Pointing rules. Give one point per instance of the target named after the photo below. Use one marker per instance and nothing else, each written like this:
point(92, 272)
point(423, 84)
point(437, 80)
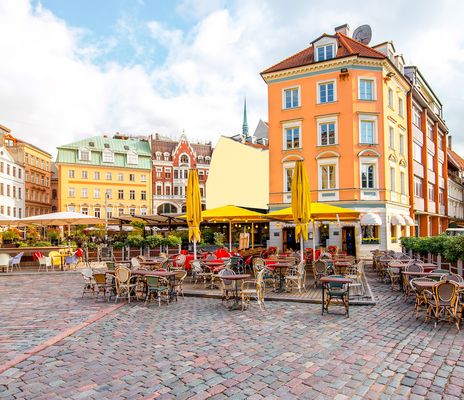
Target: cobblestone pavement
point(196, 348)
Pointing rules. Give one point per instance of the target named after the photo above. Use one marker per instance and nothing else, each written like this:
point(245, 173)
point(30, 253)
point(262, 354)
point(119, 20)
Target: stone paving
point(196, 348)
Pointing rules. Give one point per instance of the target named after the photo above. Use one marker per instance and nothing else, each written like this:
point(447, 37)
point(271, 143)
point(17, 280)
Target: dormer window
point(325, 52)
point(132, 158)
point(84, 154)
point(166, 156)
point(108, 156)
point(158, 155)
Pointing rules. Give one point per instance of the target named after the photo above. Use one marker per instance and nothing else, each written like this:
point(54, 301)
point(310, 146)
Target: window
point(326, 92)
point(132, 211)
point(96, 193)
point(71, 192)
point(367, 176)
point(288, 177)
point(390, 97)
point(167, 173)
point(431, 192)
point(158, 155)
point(166, 156)
point(120, 211)
point(109, 212)
point(367, 132)
point(402, 144)
point(72, 208)
point(167, 190)
point(184, 159)
point(19, 193)
point(416, 117)
point(429, 129)
point(121, 194)
point(108, 156)
point(132, 194)
point(417, 152)
point(143, 178)
point(20, 176)
point(430, 162)
point(328, 178)
point(120, 176)
point(108, 176)
point(159, 172)
point(441, 196)
point(325, 52)
point(132, 177)
point(96, 175)
point(366, 89)
point(176, 174)
point(84, 155)
point(14, 171)
point(327, 134)
point(84, 174)
point(143, 211)
point(402, 182)
point(85, 210)
point(392, 137)
point(441, 141)
point(132, 158)
point(291, 137)
point(291, 98)
point(109, 193)
point(143, 195)
point(96, 212)
point(84, 193)
point(71, 173)
point(392, 179)
point(418, 187)
point(370, 234)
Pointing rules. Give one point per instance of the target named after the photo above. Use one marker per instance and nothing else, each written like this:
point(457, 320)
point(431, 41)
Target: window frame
point(369, 161)
point(374, 120)
point(105, 154)
point(325, 46)
point(374, 87)
point(318, 91)
point(325, 121)
point(291, 125)
point(324, 162)
point(284, 97)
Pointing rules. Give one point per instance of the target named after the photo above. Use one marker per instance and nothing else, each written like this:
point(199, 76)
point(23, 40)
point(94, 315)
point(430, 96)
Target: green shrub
point(135, 240)
point(219, 239)
point(153, 240)
point(118, 245)
point(174, 241)
point(454, 248)
point(42, 243)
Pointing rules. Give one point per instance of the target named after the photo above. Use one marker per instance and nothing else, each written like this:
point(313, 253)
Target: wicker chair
point(296, 276)
point(254, 288)
point(135, 263)
point(200, 271)
point(319, 271)
point(102, 286)
point(452, 277)
point(157, 286)
point(125, 285)
point(394, 274)
point(180, 277)
point(354, 272)
point(421, 297)
point(269, 274)
point(89, 283)
point(443, 302)
point(414, 267)
point(227, 286)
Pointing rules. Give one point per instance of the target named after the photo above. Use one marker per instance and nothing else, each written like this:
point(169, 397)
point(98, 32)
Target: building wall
point(455, 200)
point(88, 195)
point(11, 186)
point(239, 175)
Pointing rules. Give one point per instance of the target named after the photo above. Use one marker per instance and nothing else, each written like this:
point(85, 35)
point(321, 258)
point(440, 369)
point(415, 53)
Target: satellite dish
point(363, 34)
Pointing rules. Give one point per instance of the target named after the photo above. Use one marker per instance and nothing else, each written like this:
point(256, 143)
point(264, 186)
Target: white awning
point(409, 221)
point(397, 219)
point(371, 219)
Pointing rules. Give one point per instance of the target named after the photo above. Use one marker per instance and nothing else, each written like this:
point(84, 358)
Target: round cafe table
point(236, 278)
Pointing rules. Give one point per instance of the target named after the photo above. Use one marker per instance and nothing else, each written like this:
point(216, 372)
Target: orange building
point(341, 106)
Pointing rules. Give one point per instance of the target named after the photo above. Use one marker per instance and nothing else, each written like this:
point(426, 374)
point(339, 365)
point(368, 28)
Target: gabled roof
point(100, 143)
point(346, 47)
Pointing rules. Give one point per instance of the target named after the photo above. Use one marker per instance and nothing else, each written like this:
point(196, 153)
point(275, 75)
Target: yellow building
point(101, 172)
point(239, 173)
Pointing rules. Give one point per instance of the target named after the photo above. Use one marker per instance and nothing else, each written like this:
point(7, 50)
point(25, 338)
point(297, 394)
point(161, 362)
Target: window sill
point(367, 100)
point(293, 149)
point(324, 146)
point(291, 108)
point(368, 144)
point(319, 103)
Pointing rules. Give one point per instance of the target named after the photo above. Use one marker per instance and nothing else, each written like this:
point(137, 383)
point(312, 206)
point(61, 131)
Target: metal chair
point(158, 286)
point(337, 293)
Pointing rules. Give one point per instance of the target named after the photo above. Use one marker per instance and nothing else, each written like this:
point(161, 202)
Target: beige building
point(239, 173)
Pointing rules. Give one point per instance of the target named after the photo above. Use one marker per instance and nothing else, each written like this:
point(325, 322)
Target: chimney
point(345, 29)
point(450, 142)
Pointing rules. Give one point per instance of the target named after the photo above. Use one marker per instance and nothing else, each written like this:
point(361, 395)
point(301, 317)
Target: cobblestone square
point(196, 348)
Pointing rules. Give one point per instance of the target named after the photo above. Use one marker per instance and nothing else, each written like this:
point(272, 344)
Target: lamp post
point(106, 216)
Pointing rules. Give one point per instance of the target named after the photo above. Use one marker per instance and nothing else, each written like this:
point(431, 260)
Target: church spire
point(245, 122)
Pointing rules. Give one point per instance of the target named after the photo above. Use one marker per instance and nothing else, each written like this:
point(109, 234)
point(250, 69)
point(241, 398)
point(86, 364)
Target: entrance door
point(349, 240)
point(288, 239)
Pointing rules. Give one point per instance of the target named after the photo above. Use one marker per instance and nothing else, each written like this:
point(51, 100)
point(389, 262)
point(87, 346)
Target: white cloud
point(52, 92)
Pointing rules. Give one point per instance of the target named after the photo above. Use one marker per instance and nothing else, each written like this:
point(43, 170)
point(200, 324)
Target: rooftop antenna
point(363, 34)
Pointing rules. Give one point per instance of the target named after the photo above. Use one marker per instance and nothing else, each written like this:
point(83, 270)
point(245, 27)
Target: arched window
point(207, 159)
point(167, 208)
point(184, 159)
point(184, 208)
point(158, 155)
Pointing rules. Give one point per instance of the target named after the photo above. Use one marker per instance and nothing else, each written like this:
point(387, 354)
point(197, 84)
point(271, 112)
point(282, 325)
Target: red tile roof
point(456, 158)
point(346, 47)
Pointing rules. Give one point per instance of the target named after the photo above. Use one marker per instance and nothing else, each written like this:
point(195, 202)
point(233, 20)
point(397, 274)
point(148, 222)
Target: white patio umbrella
point(62, 218)
point(7, 220)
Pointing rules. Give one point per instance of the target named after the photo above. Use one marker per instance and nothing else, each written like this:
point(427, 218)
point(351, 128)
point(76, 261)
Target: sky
point(78, 68)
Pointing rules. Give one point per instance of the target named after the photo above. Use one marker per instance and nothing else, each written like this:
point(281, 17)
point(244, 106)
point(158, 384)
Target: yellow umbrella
point(301, 203)
point(193, 209)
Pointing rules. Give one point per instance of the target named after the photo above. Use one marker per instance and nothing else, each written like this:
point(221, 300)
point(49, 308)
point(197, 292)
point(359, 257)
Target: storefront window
point(393, 231)
point(370, 234)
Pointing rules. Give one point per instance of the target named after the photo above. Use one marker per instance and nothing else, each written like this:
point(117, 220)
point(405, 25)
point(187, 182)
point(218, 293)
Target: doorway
point(288, 239)
point(349, 240)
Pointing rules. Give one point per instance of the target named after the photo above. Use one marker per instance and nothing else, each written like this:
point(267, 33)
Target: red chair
point(222, 253)
point(79, 253)
point(37, 255)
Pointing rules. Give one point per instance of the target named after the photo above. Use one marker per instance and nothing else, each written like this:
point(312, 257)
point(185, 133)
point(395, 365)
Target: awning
point(371, 219)
point(397, 219)
point(409, 221)
point(319, 211)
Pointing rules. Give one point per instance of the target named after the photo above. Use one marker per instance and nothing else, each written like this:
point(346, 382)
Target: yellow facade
point(238, 175)
point(82, 188)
